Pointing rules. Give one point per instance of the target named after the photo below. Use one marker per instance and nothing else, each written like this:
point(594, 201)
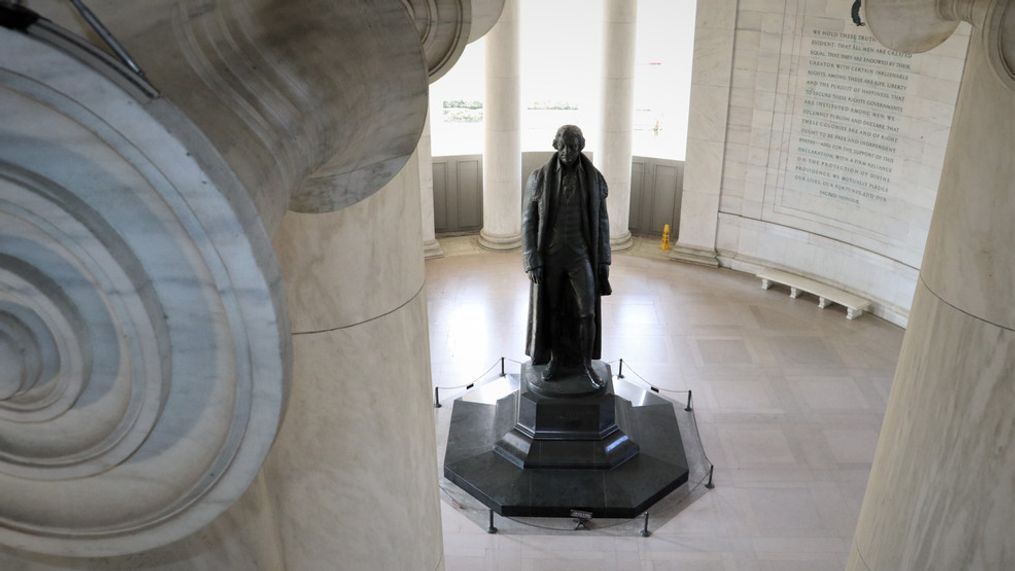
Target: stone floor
point(789, 400)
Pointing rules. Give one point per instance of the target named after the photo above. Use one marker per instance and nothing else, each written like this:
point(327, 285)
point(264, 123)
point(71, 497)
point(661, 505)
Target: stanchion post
point(491, 529)
point(711, 471)
point(436, 397)
point(689, 408)
point(502, 373)
point(620, 373)
point(644, 531)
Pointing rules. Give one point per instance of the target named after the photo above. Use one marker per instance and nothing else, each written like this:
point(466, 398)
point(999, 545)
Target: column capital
point(915, 27)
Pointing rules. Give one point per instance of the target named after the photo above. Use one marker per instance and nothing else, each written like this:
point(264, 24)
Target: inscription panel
point(857, 134)
point(834, 148)
point(846, 144)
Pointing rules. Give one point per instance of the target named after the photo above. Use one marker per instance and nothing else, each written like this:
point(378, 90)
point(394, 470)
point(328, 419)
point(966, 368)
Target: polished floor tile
point(788, 400)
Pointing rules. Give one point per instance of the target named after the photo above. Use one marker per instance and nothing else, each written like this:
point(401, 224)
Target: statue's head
point(569, 142)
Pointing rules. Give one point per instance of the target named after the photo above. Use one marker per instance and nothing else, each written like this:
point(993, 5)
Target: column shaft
point(617, 114)
point(431, 247)
point(502, 151)
point(941, 493)
point(714, 31)
point(353, 469)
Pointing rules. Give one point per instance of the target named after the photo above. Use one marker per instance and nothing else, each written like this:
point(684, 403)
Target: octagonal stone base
point(624, 454)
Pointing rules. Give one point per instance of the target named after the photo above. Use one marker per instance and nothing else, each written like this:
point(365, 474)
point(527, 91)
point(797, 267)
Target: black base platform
point(613, 453)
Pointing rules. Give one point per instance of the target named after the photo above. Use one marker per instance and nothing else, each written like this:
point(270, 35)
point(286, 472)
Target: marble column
point(145, 337)
point(714, 28)
point(431, 247)
point(141, 302)
point(445, 27)
point(354, 468)
point(485, 14)
point(613, 150)
point(502, 150)
point(941, 493)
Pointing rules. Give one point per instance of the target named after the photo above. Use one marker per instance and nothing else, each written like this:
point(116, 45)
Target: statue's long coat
point(538, 215)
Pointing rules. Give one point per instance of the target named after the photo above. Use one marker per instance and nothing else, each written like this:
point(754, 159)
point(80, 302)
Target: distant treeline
point(462, 104)
point(552, 105)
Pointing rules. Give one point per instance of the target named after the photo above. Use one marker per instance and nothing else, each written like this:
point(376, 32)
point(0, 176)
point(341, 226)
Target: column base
point(432, 250)
point(622, 242)
point(497, 242)
point(694, 255)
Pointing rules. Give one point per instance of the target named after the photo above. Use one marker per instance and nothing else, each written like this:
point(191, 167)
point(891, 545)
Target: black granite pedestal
point(548, 448)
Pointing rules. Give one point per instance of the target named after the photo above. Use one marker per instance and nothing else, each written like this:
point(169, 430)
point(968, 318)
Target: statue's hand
point(536, 275)
point(604, 280)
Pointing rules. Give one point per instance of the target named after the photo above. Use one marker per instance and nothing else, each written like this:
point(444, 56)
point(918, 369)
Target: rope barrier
point(649, 384)
point(694, 418)
point(708, 474)
point(473, 382)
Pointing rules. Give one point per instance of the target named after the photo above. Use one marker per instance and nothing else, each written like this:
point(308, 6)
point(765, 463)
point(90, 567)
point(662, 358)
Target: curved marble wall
point(140, 300)
point(814, 149)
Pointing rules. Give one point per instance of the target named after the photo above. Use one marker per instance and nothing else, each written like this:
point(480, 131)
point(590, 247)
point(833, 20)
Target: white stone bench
point(855, 306)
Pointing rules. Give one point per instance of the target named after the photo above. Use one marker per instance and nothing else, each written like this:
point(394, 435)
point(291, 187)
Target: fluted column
point(617, 114)
point(431, 247)
point(502, 150)
point(941, 493)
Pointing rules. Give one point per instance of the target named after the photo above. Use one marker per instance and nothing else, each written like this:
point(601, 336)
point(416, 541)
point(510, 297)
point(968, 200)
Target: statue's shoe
point(550, 372)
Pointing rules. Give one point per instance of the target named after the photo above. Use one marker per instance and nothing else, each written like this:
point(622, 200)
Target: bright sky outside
point(561, 43)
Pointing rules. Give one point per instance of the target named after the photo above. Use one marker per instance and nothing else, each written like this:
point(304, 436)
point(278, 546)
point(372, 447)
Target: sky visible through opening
point(561, 66)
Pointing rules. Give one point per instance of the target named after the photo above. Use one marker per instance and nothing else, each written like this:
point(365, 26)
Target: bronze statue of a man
point(566, 252)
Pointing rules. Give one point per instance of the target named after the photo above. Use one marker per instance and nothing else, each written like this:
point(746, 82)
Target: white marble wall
point(763, 212)
point(748, 245)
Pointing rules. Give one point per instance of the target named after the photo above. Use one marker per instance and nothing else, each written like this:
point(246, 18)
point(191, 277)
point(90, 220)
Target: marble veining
point(142, 287)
